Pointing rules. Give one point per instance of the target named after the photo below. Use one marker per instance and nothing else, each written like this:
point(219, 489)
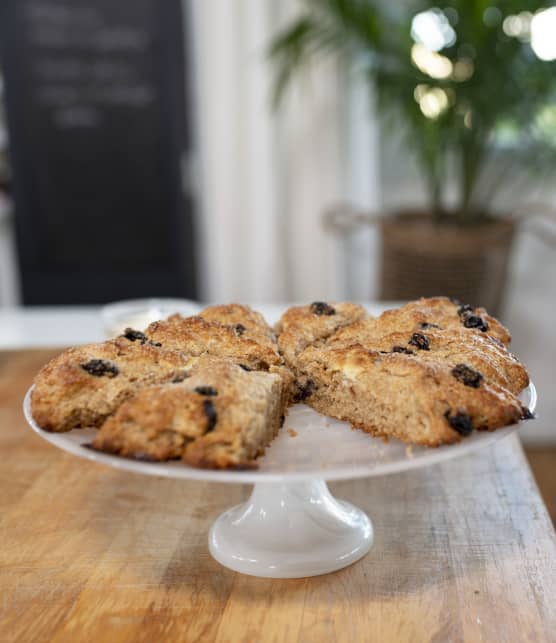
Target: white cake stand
point(292, 526)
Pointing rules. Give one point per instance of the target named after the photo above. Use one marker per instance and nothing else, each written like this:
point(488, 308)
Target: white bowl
point(139, 313)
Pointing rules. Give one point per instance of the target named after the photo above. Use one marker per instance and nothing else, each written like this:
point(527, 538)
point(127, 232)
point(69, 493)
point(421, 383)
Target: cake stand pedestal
point(290, 530)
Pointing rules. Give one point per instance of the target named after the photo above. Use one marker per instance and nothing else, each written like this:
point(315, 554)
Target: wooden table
point(464, 552)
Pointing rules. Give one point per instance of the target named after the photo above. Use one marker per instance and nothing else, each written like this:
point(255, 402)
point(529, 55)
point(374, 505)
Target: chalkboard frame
point(42, 285)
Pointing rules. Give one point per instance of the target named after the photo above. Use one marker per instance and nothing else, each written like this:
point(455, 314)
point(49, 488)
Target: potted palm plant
point(471, 85)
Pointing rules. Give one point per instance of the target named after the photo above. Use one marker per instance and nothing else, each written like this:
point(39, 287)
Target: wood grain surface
point(464, 551)
point(542, 460)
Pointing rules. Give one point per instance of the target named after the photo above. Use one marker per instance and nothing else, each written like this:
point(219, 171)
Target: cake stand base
point(290, 530)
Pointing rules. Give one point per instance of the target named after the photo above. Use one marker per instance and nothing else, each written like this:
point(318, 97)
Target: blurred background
point(265, 151)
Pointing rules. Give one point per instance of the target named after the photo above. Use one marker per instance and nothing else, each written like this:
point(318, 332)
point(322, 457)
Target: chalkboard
point(99, 126)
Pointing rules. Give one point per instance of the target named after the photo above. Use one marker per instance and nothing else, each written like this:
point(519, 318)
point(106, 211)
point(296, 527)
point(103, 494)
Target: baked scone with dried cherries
point(302, 326)
point(427, 373)
point(402, 396)
point(231, 331)
point(84, 385)
point(212, 389)
point(218, 416)
point(235, 332)
point(439, 312)
point(245, 321)
point(451, 346)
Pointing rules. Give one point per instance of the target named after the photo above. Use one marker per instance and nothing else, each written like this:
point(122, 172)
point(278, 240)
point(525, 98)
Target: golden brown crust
point(220, 417)
point(198, 336)
point(154, 424)
point(302, 326)
point(442, 312)
point(450, 346)
point(68, 396)
point(243, 319)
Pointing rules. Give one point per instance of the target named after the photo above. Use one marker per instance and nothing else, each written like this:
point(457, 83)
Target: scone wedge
point(84, 385)
point(219, 416)
point(428, 373)
point(233, 331)
point(398, 395)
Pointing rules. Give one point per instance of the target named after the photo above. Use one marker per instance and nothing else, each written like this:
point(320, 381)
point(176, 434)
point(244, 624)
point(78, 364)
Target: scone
point(245, 321)
point(303, 326)
point(441, 312)
point(84, 385)
point(220, 416)
point(428, 356)
point(403, 396)
point(199, 336)
point(452, 346)
point(231, 331)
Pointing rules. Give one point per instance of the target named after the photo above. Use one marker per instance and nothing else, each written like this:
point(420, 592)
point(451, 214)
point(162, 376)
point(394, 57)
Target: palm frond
point(507, 82)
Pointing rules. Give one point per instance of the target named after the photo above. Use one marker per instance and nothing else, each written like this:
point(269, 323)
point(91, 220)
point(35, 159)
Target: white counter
point(46, 327)
point(54, 326)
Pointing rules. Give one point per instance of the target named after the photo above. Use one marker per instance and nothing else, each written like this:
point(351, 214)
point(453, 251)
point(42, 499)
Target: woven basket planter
point(422, 258)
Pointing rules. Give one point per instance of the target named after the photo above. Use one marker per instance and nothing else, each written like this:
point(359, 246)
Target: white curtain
point(266, 178)
point(9, 291)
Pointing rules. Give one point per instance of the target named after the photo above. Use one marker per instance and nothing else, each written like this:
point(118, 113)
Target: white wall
point(530, 315)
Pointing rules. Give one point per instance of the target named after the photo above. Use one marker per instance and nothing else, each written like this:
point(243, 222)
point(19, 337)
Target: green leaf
point(507, 84)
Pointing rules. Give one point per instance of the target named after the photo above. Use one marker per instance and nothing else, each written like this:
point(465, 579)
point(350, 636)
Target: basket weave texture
point(423, 259)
